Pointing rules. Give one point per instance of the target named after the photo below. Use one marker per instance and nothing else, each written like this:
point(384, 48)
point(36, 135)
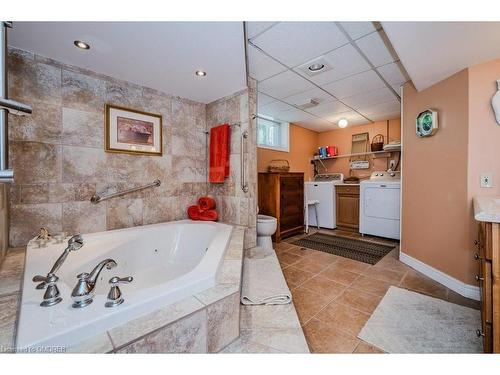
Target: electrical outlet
point(487, 180)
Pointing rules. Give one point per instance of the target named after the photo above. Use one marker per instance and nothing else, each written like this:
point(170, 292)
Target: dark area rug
point(363, 251)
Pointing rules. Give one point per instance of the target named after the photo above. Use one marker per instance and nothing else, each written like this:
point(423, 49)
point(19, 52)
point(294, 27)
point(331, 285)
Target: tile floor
point(335, 296)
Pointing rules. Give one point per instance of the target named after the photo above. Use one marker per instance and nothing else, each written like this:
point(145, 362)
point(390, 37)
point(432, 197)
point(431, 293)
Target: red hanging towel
point(220, 139)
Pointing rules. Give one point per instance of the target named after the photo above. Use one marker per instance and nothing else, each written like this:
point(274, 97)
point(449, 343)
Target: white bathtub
point(168, 261)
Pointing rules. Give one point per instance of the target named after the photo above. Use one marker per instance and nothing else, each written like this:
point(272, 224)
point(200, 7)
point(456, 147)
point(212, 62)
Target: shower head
point(75, 242)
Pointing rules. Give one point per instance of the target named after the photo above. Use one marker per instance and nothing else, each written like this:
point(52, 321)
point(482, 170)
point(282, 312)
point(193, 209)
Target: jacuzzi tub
point(168, 261)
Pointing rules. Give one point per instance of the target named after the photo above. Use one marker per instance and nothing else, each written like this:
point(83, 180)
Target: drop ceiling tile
point(358, 29)
point(263, 99)
point(370, 98)
point(294, 43)
point(355, 84)
point(328, 109)
point(393, 73)
point(284, 84)
point(255, 28)
point(306, 96)
point(284, 112)
point(352, 117)
point(392, 106)
point(377, 48)
point(398, 89)
point(294, 115)
point(272, 108)
point(261, 66)
point(385, 116)
point(317, 124)
point(345, 61)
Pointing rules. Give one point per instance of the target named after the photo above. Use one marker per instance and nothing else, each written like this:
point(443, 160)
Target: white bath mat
point(263, 282)
point(409, 322)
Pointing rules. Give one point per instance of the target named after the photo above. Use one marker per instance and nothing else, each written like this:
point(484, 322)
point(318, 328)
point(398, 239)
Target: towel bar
point(96, 198)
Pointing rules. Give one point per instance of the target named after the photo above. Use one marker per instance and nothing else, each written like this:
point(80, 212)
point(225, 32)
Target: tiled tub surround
point(59, 160)
point(205, 322)
point(236, 206)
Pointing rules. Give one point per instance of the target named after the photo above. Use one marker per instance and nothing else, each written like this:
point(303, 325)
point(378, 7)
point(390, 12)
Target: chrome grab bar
point(96, 198)
point(244, 184)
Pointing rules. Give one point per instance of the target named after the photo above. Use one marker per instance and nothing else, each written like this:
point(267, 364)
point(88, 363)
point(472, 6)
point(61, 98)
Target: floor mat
point(409, 322)
point(363, 251)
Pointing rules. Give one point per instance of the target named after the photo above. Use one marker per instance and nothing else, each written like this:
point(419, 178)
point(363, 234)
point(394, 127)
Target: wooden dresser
point(488, 257)
point(347, 207)
point(282, 195)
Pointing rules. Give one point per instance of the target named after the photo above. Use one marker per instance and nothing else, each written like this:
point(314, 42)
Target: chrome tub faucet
point(83, 292)
point(52, 296)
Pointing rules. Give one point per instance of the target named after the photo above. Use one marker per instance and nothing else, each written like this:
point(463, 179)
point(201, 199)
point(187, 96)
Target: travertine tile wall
point(236, 206)
point(59, 159)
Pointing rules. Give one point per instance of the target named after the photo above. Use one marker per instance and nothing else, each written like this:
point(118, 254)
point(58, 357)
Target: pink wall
point(441, 173)
point(434, 185)
point(342, 138)
point(484, 137)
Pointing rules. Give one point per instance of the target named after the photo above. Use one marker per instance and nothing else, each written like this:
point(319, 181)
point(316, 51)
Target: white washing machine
point(323, 190)
point(379, 212)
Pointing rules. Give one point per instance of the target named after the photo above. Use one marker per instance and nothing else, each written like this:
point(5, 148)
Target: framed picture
point(132, 132)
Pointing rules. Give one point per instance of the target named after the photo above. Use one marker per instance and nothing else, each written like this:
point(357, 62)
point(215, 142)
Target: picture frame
point(131, 131)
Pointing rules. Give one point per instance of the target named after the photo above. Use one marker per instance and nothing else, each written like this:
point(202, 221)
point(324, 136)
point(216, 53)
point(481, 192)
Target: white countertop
point(487, 209)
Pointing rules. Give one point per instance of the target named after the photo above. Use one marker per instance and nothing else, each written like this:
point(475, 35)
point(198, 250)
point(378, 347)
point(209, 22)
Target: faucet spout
point(83, 292)
point(94, 274)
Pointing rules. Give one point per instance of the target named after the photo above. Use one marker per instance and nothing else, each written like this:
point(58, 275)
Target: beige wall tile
point(83, 217)
point(123, 213)
point(223, 322)
point(187, 335)
point(35, 162)
point(83, 128)
point(152, 322)
point(26, 220)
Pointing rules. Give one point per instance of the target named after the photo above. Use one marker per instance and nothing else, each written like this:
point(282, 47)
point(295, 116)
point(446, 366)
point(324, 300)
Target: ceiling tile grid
point(361, 82)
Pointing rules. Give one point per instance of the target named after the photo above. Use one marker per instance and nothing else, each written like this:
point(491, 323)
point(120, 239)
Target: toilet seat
point(263, 218)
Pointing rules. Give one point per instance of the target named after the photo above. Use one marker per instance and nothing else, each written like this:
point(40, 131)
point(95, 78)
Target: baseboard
point(466, 290)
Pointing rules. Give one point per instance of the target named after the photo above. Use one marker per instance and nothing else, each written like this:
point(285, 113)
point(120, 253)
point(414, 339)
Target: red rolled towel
point(206, 203)
point(209, 215)
point(194, 212)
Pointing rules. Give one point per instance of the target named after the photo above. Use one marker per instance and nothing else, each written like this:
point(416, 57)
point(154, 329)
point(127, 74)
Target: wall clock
point(427, 123)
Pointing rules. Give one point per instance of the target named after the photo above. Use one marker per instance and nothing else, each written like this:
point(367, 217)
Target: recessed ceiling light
point(81, 45)
point(316, 67)
point(200, 73)
point(343, 123)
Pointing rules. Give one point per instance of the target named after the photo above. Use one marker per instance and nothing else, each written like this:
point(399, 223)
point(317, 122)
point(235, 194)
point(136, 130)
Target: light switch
point(487, 180)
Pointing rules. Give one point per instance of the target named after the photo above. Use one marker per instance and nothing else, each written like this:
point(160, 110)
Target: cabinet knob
point(477, 242)
point(477, 257)
point(479, 333)
point(478, 278)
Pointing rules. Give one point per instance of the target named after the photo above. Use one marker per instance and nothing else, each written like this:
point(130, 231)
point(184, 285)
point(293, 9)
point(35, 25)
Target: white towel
point(263, 281)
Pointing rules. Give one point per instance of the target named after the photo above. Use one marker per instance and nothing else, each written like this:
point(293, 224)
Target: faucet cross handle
point(115, 295)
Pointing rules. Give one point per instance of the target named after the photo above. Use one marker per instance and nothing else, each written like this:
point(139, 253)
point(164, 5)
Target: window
point(272, 134)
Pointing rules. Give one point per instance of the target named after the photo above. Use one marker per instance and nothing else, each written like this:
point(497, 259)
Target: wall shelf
point(376, 154)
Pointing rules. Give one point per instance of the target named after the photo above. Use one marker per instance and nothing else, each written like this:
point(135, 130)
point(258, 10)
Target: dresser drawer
point(347, 189)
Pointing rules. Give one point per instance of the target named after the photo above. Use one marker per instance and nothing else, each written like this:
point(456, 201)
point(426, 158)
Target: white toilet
point(266, 226)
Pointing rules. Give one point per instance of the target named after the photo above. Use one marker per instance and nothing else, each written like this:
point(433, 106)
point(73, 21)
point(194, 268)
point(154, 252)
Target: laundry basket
point(279, 165)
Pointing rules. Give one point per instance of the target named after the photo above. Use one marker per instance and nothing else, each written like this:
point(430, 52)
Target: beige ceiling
point(360, 82)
